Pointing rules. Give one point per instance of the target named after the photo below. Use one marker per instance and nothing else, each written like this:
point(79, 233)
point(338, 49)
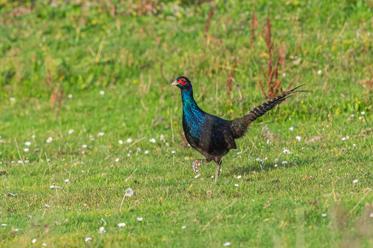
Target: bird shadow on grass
point(255, 166)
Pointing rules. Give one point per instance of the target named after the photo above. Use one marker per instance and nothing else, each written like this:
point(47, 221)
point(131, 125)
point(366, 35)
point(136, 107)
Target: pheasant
point(213, 136)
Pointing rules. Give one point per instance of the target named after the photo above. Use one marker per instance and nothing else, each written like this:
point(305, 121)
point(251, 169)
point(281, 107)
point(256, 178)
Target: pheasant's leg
point(196, 165)
point(218, 170)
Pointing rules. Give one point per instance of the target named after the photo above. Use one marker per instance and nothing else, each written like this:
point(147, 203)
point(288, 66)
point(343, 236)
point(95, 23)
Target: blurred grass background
point(103, 68)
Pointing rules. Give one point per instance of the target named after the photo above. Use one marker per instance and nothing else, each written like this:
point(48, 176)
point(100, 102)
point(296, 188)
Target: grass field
point(86, 112)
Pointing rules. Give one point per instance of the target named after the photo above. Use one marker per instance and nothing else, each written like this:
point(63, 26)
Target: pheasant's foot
point(217, 172)
point(196, 165)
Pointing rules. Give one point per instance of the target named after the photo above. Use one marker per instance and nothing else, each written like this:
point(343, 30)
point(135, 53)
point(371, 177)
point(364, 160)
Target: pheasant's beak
point(174, 83)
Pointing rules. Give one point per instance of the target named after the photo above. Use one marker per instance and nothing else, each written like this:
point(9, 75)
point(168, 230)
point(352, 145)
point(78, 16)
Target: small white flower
point(236, 185)
point(120, 142)
point(162, 138)
point(139, 219)
point(4, 225)
point(44, 244)
point(12, 99)
point(128, 154)
point(26, 149)
point(371, 215)
point(129, 140)
point(227, 244)
point(323, 215)
point(319, 72)
point(101, 230)
point(87, 239)
point(100, 134)
point(71, 131)
point(298, 138)
point(102, 92)
point(238, 177)
point(291, 128)
point(197, 176)
point(286, 151)
point(121, 225)
point(49, 140)
point(284, 162)
point(84, 146)
point(275, 165)
point(28, 143)
point(183, 227)
point(46, 205)
point(283, 74)
point(345, 138)
point(69, 96)
point(66, 181)
point(55, 187)
point(152, 140)
point(117, 160)
point(355, 181)
point(146, 152)
point(129, 192)
point(34, 241)
point(16, 229)
point(173, 152)
point(362, 112)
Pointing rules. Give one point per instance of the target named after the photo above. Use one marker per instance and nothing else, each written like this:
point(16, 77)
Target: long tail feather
point(240, 125)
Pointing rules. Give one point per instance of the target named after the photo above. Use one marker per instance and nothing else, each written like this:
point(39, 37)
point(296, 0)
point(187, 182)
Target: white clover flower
point(4, 225)
point(27, 143)
point(121, 225)
point(355, 181)
point(236, 185)
point(120, 142)
point(102, 230)
point(87, 239)
point(146, 152)
point(55, 187)
point(319, 72)
point(69, 96)
point(129, 192)
point(84, 146)
point(102, 92)
point(323, 215)
point(173, 152)
point(71, 131)
point(26, 149)
point(34, 241)
point(284, 162)
point(183, 227)
point(286, 151)
point(162, 138)
point(238, 177)
point(12, 99)
point(44, 244)
point(49, 140)
point(152, 140)
point(291, 128)
point(345, 138)
point(129, 140)
point(117, 160)
point(66, 181)
point(298, 138)
point(227, 244)
point(100, 134)
point(362, 112)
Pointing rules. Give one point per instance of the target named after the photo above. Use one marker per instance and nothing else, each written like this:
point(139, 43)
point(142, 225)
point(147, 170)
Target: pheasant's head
point(183, 83)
